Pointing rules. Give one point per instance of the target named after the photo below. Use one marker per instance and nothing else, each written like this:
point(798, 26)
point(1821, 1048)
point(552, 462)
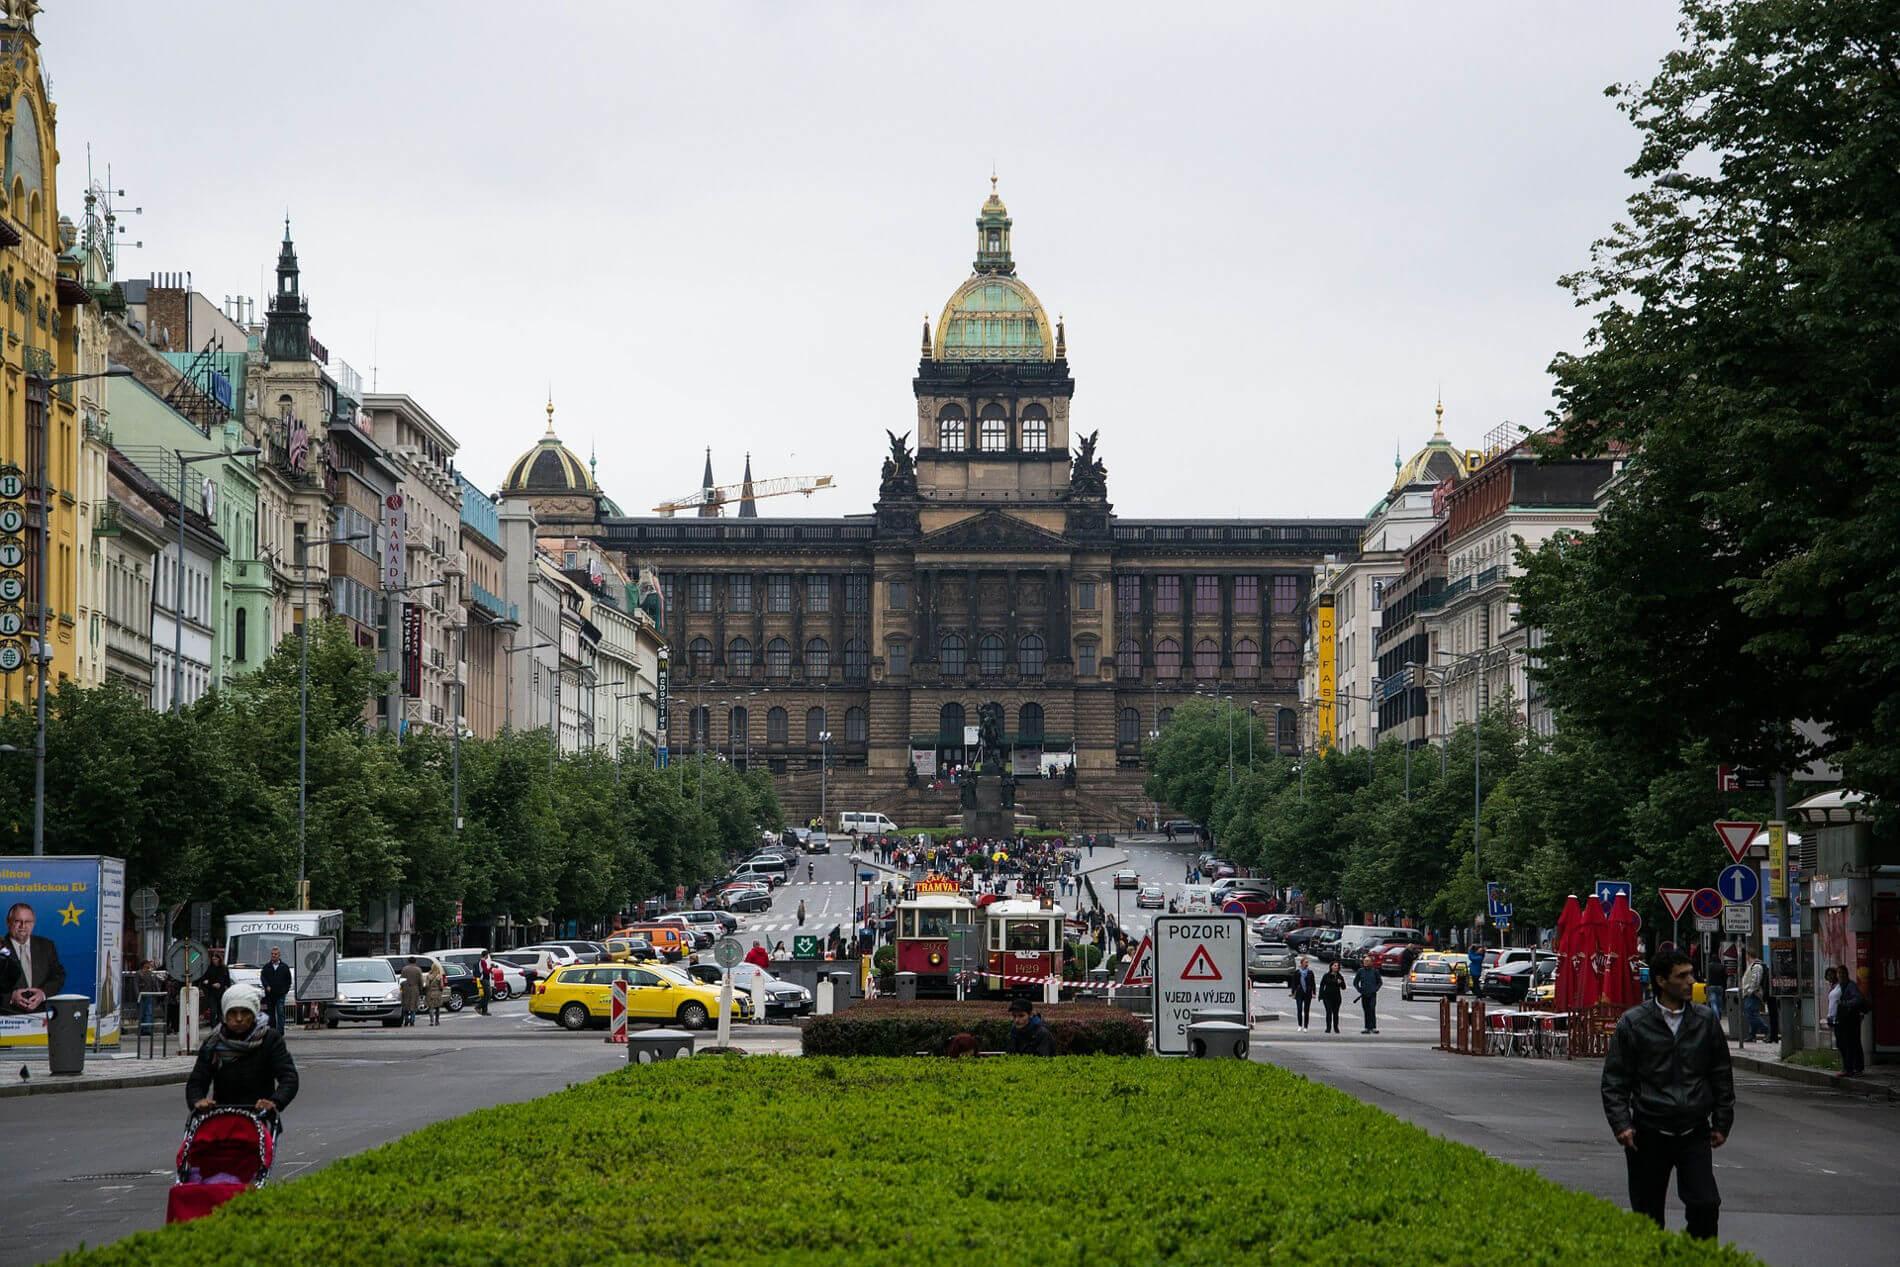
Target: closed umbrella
point(1569, 924)
point(1592, 943)
point(1622, 987)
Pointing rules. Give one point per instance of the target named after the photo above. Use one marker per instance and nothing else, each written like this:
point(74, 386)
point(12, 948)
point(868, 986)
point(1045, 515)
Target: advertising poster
point(69, 914)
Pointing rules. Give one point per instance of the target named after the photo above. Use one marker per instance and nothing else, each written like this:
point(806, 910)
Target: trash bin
point(841, 990)
point(1218, 1040)
point(906, 987)
point(66, 1033)
point(644, 1047)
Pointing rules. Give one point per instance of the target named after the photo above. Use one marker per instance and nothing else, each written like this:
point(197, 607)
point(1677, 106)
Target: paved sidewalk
point(104, 1071)
point(1879, 1081)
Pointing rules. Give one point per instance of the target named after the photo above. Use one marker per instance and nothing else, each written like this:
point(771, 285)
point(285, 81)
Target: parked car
point(1126, 879)
point(673, 941)
point(1250, 901)
point(580, 996)
point(1150, 897)
point(1435, 973)
point(631, 950)
point(1392, 958)
point(511, 978)
point(1509, 959)
point(1183, 827)
point(1323, 945)
point(366, 990)
point(563, 955)
point(1512, 983)
point(1302, 939)
point(1272, 961)
point(540, 963)
point(771, 861)
point(1356, 939)
point(745, 900)
point(782, 998)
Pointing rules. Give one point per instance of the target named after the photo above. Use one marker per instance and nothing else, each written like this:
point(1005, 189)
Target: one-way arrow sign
point(1677, 900)
point(1735, 837)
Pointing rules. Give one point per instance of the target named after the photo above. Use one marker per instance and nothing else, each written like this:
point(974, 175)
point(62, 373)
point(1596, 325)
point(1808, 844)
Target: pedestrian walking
point(215, 981)
point(1848, 1011)
point(411, 975)
point(275, 979)
point(243, 1061)
point(1367, 983)
point(1752, 976)
point(1717, 984)
point(801, 912)
point(434, 986)
point(1303, 987)
point(1669, 1096)
point(484, 983)
point(1476, 960)
point(1332, 993)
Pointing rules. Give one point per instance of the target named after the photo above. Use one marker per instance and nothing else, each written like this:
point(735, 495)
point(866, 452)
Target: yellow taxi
point(582, 995)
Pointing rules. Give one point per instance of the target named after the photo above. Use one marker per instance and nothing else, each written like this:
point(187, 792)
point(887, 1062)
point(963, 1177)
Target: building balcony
point(494, 605)
point(455, 562)
point(106, 521)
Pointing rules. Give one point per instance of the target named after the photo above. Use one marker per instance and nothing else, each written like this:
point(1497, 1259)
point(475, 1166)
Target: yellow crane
point(719, 496)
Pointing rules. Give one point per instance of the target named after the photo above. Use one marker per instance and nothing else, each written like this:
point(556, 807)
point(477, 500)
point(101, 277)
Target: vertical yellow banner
point(1324, 627)
point(1777, 860)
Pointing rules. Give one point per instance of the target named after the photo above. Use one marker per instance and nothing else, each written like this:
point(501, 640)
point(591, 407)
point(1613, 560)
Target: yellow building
point(40, 333)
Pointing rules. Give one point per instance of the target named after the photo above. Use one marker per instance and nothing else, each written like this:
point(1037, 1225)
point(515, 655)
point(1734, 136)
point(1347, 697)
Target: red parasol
point(1569, 923)
point(1593, 932)
point(1622, 988)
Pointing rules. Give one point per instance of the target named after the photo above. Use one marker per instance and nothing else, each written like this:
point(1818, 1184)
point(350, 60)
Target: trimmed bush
point(875, 1163)
point(885, 1027)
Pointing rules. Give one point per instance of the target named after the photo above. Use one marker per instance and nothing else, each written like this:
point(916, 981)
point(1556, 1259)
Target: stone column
point(1226, 626)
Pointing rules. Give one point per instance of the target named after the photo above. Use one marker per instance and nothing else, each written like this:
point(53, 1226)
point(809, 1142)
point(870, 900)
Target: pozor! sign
point(1200, 964)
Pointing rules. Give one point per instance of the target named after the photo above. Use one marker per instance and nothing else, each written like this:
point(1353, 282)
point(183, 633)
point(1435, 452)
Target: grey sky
point(1273, 230)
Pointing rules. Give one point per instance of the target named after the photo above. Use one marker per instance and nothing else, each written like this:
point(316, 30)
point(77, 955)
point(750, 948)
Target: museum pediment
point(992, 530)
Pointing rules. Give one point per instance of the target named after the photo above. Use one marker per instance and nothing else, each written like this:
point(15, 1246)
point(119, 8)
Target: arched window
point(1287, 734)
point(1128, 728)
point(950, 429)
point(1247, 658)
point(737, 723)
point(699, 651)
point(994, 434)
point(1167, 658)
point(1029, 653)
point(817, 658)
point(950, 655)
point(950, 725)
point(1029, 726)
point(814, 726)
point(778, 658)
point(855, 729)
point(1128, 659)
point(240, 632)
point(1035, 429)
point(1207, 658)
point(857, 661)
point(776, 726)
point(739, 657)
point(989, 654)
point(700, 717)
point(1164, 719)
point(1286, 660)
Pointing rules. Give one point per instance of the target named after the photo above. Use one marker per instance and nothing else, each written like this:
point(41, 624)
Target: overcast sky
point(1274, 230)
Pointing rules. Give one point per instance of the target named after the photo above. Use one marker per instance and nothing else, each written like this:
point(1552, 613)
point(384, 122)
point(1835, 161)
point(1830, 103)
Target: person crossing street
point(1367, 982)
point(1303, 988)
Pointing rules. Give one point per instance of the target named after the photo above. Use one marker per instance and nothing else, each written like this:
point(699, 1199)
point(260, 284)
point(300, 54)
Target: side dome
point(549, 467)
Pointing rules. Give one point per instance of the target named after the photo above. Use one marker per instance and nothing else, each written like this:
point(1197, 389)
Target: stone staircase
point(1098, 802)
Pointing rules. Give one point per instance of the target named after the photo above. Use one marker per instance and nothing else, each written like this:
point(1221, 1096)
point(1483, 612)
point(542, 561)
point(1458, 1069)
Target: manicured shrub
point(885, 1027)
point(873, 1163)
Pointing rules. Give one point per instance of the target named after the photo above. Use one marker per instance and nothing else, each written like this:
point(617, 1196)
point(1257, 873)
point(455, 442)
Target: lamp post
point(1477, 741)
point(824, 772)
point(178, 577)
point(42, 386)
point(303, 697)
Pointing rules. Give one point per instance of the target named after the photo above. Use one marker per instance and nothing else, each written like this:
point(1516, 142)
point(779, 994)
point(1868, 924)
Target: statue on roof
point(1088, 477)
point(900, 469)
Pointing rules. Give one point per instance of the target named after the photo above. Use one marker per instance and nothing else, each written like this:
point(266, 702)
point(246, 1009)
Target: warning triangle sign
point(1200, 967)
point(1141, 965)
point(1677, 900)
point(1735, 837)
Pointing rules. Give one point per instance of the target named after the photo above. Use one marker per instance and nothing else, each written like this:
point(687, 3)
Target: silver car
point(1272, 961)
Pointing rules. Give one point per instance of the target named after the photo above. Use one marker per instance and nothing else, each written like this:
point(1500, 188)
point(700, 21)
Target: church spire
point(992, 235)
point(748, 509)
point(287, 322)
point(708, 509)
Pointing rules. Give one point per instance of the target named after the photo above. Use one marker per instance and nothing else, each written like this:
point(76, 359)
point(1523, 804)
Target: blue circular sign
point(1739, 884)
point(1706, 903)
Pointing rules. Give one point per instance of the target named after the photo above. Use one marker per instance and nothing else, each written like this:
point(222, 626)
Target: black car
point(1513, 983)
point(748, 901)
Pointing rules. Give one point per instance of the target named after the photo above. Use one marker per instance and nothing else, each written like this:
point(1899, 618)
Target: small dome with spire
point(550, 467)
point(993, 316)
point(1434, 463)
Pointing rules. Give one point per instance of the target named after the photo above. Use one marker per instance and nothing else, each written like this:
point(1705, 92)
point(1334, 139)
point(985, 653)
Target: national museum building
point(992, 573)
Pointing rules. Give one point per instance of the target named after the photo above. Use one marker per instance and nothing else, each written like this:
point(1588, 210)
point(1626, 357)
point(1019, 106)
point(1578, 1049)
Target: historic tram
point(925, 916)
point(1022, 938)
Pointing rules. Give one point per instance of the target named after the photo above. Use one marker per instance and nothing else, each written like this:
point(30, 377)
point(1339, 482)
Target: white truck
point(250, 937)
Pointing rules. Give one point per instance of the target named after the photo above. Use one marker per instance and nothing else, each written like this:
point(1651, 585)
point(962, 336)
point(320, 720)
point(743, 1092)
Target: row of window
point(993, 430)
point(777, 726)
point(778, 592)
point(992, 658)
point(1167, 659)
point(952, 718)
point(700, 590)
point(1128, 728)
point(1167, 595)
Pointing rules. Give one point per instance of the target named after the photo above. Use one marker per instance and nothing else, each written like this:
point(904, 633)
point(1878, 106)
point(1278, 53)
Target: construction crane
point(721, 495)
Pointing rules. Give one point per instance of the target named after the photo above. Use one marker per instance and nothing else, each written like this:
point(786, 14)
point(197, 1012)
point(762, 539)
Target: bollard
point(906, 987)
point(66, 1034)
point(1229, 1015)
point(1052, 990)
point(1217, 1040)
point(189, 1031)
point(841, 991)
point(617, 1012)
point(821, 1005)
point(758, 998)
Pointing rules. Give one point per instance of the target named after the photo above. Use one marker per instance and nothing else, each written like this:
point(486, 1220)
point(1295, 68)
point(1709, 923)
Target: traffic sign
point(1498, 898)
point(1738, 919)
point(1739, 884)
point(805, 946)
point(1200, 964)
point(1676, 901)
point(313, 969)
point(1707, 904)
point(1141, 965)
point(1736, 836)
point(617, 1012)
point(1608, 889)
point(1778, 860)
point(145, 904)
point(185, 960)
point(1708, 924)
point(727, 952)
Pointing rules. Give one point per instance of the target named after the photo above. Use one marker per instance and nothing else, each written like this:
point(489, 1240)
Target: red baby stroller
point(226, 1150)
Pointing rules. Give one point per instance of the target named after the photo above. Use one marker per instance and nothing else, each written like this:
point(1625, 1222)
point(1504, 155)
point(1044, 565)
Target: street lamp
point(178, 577)
point(303, 697)
point(1477, 744)
point(824, 773)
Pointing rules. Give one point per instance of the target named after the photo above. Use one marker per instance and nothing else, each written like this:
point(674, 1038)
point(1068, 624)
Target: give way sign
point(1676, 900)
point(1200, 964)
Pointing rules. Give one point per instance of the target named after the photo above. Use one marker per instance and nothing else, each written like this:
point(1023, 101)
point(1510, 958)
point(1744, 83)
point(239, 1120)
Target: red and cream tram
point(1022, 938)
point(922, 934)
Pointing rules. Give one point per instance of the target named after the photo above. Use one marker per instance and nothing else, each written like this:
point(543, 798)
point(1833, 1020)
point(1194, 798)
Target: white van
point(853, 822)
point(1356, 939)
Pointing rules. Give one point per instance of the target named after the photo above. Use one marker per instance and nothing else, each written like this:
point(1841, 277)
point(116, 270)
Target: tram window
point(933, 923)
point(1028, 934)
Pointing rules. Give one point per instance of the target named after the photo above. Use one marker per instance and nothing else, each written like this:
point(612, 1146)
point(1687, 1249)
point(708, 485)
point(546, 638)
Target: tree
point(1745, 355)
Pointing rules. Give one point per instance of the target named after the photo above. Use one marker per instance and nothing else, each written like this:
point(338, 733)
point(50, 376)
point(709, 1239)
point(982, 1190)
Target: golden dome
point(549, 467)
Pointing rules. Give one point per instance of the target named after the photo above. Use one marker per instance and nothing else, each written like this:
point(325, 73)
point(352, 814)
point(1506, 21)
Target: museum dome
point(1435, 463)
point(549, 467)
point(993, 316)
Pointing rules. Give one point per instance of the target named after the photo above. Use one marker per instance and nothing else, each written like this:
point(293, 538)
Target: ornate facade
point(992, 574)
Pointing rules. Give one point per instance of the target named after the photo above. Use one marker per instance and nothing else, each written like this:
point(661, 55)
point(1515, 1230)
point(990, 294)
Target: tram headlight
point(936, 958)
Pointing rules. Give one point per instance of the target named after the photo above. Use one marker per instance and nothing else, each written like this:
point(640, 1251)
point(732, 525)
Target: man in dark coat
point(1669, 1095)
point(1332, 993)
point(215, 981)
point(274, 977)
point(30, 970)
point(243, 1061)
point(1367, 982)
point(1304, 987)
point(1028, 1035)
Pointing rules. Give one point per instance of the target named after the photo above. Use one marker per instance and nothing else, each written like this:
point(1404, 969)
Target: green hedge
point(869, 1163)
point(885, 1027)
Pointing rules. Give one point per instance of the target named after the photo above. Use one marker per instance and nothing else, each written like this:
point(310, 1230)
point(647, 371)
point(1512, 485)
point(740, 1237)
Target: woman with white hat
point(243, 1061)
